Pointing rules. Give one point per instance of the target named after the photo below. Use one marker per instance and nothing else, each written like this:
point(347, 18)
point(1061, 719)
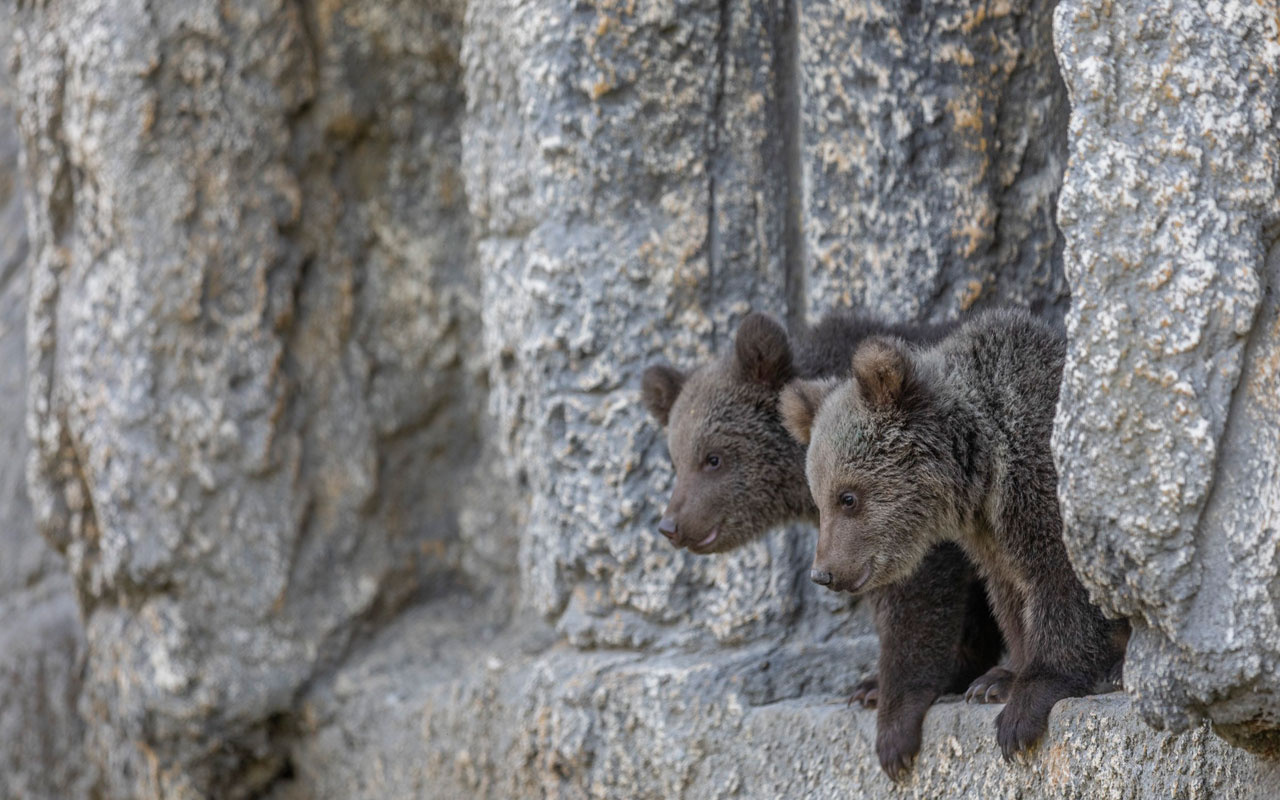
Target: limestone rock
point(251, 307)
point(334, 320)
point(624, 168)
point(765, 721)
point(933, 144)
point(41, 637)
point(1167, 439)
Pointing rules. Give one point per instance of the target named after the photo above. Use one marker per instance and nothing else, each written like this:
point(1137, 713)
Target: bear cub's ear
point(883, 373)
point(659, 389)
point(799, 404)
point(762, 350)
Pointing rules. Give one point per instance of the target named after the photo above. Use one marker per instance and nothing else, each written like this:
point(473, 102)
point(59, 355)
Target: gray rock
point(26, 558)
point(41, 729)
point(41, 637)
point(765, 721)
point(252, 305)
point(335, 318)
point(624, 171)
point(627, 174)
point(933, 144)
point(1167, 440)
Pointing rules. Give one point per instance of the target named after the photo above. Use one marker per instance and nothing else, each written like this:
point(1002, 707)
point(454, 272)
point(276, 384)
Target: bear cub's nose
point(819, 577)
point(667, 527)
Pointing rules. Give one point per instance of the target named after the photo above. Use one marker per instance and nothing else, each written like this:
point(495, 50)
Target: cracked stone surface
point(624, 169)
point(251, 300)
point(623, 166)
point(933, 145)
point(326, 321)
point(1167, 439)
point(41, 638)
point(765, 721)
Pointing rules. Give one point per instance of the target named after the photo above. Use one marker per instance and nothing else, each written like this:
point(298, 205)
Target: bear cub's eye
point(848, 501)
point(712, 462)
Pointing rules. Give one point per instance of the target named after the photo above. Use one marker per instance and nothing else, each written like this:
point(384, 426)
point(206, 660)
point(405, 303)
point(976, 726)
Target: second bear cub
point(952, 443)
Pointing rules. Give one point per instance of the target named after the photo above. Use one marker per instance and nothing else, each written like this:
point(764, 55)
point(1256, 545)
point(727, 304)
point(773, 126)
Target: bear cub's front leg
point(936, 632)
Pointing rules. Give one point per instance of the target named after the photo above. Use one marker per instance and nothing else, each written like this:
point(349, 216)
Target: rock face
point(1168, 440)
point(41, 638)
point(335, 314)
point(763, 721)
point(252, 407)
point(623, 171)
point(933, 149)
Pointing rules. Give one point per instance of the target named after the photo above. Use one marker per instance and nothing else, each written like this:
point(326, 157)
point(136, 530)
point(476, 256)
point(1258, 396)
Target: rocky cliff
point(321, 327)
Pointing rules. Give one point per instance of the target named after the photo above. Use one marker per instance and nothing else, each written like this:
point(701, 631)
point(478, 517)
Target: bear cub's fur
point(739, 474)
point(951, 443)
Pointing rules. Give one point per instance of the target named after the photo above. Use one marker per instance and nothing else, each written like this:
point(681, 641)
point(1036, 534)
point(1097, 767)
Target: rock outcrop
point(41, 640)
point(933, 145)
point(326, 321)
point(763, 721)
point(250, 386)
point(1168, 435)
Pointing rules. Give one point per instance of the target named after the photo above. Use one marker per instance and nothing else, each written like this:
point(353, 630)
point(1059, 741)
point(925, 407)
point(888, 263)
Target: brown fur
point(799, 404)
point(659, 389)
point(951, 444)
point(738, 473)
point(935, 629)
point(881, 371)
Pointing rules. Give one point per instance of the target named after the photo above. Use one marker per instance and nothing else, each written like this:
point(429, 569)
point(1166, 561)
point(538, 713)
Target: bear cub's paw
point(898, 743)
point(991, 686)
point(865, 694)
point(1025, 717)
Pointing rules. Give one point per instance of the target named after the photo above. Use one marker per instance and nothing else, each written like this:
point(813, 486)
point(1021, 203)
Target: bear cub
point(740, 474)
point(951, 443)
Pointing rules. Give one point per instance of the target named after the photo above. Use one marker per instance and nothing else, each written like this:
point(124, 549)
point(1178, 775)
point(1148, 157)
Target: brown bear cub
point(950, 443)
point(739, 474)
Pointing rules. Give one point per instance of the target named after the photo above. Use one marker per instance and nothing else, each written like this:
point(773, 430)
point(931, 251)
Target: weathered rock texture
point(250, 312)
point(627, 170)
point(1168, 435)
point(336, 313)
point(766, 721)
point(624, 168)
point(41, 638)
point(933, 148)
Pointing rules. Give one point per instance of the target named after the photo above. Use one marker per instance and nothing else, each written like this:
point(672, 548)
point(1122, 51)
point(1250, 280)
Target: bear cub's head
point(874, 469)
point(738, 472)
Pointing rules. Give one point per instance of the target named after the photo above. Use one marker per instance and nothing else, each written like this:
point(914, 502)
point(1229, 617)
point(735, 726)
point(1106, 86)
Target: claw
point(991, 687)
point(898, 744)
point(867, 694)
point(1018, 729)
